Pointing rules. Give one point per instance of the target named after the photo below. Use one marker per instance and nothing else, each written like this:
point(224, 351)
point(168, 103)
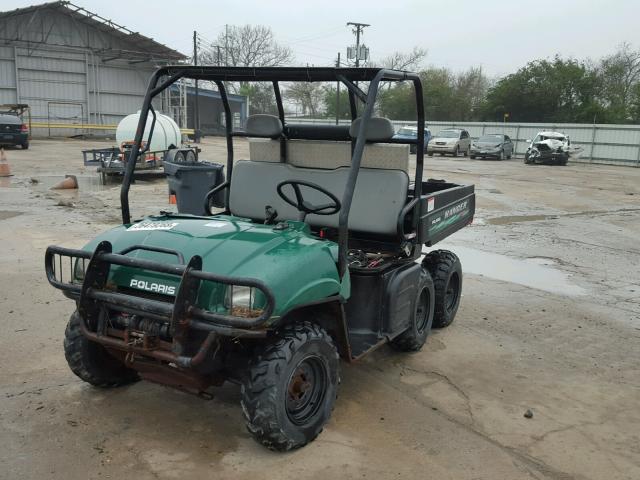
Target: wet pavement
point(549, 323)
point(532, 272)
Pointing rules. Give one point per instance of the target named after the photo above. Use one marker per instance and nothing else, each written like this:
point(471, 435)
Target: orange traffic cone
point(172, 199)
point(5, 171)
point(70, 182)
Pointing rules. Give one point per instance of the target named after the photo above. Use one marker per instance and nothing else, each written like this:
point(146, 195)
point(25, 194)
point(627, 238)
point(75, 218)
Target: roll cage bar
point(164, 77)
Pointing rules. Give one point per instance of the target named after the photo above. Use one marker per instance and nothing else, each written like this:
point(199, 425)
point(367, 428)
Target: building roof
point(144, 46)
point(210, 93)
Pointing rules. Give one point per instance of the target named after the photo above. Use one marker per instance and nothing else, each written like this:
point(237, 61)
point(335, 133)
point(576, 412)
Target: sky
point(499, 35)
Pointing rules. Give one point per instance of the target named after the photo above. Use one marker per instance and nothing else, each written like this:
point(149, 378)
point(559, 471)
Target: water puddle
point(519, 218)
point(4, 214)
point(85, 182)
point(534, 272)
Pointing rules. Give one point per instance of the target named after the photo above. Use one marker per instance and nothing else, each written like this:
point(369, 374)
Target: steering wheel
point(305, 207)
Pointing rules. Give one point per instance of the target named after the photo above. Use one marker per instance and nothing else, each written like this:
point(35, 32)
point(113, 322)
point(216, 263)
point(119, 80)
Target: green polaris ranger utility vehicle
point(315, 258)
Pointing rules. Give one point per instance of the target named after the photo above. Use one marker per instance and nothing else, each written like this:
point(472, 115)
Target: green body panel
point(299, 268)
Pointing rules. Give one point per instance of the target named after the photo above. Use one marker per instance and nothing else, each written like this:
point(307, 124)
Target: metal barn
point(73, 66)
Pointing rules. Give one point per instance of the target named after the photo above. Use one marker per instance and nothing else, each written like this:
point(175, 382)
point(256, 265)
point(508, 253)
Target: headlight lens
point(241, 301)
point(79, 269)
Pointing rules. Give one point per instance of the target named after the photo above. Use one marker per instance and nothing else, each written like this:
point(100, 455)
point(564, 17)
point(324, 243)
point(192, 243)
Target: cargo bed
point(445, 208)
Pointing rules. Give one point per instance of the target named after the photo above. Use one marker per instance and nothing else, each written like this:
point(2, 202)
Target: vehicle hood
point(444, 139)
point(295, 265)
point(549, 144)
point(406, 136)
point(10, 120)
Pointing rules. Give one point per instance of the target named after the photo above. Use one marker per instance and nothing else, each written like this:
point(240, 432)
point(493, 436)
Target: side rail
point(63, 266)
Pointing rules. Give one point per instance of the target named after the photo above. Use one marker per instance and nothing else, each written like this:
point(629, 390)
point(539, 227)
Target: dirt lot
point(549, 321)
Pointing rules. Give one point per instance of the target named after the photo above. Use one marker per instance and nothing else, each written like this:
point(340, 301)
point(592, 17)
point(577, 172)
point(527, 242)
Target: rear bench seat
point(380, 193)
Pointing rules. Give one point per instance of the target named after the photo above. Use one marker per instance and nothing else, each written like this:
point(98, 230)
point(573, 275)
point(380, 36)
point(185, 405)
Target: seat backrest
point(262, 125)
point(330, 154)
point(378, 199)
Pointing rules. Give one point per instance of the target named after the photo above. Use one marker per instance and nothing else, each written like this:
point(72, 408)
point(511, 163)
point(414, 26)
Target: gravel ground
point(549, 322)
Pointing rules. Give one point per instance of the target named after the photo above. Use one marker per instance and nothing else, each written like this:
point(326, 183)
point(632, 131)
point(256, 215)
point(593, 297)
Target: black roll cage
point(164, 77)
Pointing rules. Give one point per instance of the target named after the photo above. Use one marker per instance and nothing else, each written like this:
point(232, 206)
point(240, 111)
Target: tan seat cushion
point(329, 155)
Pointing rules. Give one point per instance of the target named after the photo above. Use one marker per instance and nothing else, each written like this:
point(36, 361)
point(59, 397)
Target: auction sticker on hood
point(216, 224)
point(151, 226)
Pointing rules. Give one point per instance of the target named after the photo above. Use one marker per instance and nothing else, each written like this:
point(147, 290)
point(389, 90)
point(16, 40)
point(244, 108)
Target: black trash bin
point(190, 182)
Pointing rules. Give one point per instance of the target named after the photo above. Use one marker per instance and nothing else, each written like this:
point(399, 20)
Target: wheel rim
point(306, 390)
point(422, 311)
point(452, 293)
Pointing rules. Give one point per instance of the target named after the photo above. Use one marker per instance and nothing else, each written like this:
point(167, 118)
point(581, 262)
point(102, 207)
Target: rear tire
point(416, 335)
point(446, 272)
point(91, 362)
point(473, 157)
point(291, 388)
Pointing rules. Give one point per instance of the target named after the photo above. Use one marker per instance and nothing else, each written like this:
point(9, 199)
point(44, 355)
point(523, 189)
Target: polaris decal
point(153, 287)
point(151, 226)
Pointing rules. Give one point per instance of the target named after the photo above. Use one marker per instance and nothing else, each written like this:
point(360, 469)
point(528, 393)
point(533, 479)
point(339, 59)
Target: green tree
point(546, 91)
point(398, 102)
point(329, 100)
point(620, 75)
point(261, 97)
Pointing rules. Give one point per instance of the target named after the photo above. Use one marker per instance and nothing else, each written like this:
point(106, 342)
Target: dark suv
point(13, 131)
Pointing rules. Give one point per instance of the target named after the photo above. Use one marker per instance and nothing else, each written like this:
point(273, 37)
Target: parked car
point(550, 148)
point(451, 141)
point(408, 132)
point(13, 131)
point(495, 145)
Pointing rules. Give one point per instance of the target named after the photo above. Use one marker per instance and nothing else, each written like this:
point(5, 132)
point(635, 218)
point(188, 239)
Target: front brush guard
point(182, 314)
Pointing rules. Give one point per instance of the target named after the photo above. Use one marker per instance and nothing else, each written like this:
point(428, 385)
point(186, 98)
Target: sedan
point(409, 132)
point(451, 141)
point(13, 131)
point(494, 145)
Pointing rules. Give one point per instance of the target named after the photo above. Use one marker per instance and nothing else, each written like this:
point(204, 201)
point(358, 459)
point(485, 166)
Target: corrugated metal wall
point(601, 143)
point(69, 84)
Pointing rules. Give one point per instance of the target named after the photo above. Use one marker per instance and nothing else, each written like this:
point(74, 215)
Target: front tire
point(456, 151)
point(446, 272)
point(91, 362)
point(291, 388)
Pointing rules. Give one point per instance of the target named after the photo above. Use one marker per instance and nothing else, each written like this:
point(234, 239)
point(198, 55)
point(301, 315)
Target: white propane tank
point(165, 133)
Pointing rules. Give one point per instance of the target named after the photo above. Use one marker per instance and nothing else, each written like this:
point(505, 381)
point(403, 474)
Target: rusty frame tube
point(180, 360)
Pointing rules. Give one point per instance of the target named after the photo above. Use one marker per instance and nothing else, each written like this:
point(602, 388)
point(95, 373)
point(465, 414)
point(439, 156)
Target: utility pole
point(358, 28)
point(196, 112)
point(338, 93)
point(226, 45)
